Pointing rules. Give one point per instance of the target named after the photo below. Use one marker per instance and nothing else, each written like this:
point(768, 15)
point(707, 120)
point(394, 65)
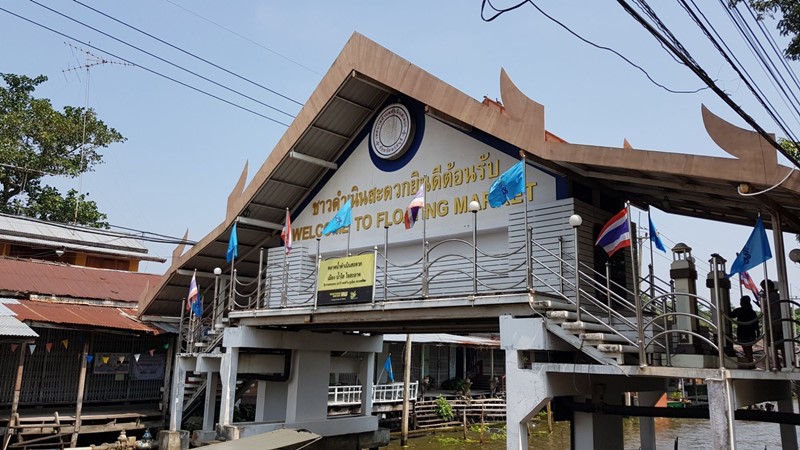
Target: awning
point(85, 315)
point(284, 438)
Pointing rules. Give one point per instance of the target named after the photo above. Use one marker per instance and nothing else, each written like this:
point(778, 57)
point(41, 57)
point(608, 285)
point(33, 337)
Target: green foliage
point(788, 23)
point(244, 413)
point(443, 409)
point(447, 440)
point(37, 141)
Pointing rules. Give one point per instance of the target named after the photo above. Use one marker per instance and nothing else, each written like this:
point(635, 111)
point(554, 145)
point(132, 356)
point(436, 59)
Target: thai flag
point(417, 203)
point(286, 233)
point(193, 293)
point(749, 284)
point(616, 234)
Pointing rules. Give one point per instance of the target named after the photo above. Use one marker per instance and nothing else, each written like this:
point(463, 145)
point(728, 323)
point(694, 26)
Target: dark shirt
point(747, 329)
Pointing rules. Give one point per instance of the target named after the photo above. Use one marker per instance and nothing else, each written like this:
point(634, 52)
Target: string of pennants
point(89, 358)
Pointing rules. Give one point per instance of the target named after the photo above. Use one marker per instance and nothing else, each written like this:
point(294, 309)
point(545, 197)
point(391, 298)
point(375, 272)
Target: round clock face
point(392, 132)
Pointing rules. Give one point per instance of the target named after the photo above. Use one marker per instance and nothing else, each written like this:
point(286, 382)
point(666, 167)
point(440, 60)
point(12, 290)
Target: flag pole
point(637, 298)
point(652, 260)
point(528, 281)
point(424, 241)
point(741, 291)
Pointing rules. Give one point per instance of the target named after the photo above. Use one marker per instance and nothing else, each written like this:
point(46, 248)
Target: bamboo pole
point(81, 387)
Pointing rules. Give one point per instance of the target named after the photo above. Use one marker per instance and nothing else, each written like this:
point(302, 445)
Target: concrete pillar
point(178, 388)
point(596, 431)
point(721, 408)
point(210, 405)
point(647, 425)
point(308, 386)
point(788, 431)
point(229, 367)
point(684, 273)
point(723, 302)
point(271, 402)
point(366, 375)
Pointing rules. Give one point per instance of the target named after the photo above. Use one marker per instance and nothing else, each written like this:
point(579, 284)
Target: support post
point(18, 380)
point(720, 408)
point(406, 392)
point(575, 221)
point(210, 404)
point(79, 403)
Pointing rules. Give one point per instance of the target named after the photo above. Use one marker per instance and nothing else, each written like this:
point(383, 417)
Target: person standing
point(746, 326)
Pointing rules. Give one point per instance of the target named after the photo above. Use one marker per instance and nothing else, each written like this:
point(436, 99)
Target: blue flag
point(654, 235)
point(342, 219)
point(233, 245)
point(388, 367)
point(197, 306)
point(510, 184)
point(755, 251)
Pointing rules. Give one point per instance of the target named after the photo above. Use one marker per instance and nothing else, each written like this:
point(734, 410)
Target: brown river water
point(690, 434)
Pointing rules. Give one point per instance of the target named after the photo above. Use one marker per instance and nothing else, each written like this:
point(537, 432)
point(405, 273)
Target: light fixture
point(794, 255)
point(575, 221)
point(59, 252)
point(474, 206)
point(217, 271)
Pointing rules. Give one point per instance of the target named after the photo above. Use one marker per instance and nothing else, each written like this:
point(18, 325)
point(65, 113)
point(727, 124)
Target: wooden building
point(91, 365)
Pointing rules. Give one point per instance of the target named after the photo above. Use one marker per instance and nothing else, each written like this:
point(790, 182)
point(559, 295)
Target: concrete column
point(229, 367)
point(366, 375)
point(721, 408)
point(210, 405)
point(271, 402)
point(647, 425)
point(307, 397)
point(788, 431)
point(178, 388)
point(596, 431)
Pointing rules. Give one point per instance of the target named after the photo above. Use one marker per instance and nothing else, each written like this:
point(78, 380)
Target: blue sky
point(185, 150)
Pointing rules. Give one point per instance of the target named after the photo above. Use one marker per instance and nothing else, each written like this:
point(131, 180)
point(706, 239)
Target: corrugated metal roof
point(61, 280)
point(4, 311)
point(28, 231)
point(11, 326)
point(86, 315)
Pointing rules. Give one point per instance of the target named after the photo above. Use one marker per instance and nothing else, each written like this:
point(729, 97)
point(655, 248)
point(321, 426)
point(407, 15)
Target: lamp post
point(217, 273)
point(474, 207)
point(575, 221)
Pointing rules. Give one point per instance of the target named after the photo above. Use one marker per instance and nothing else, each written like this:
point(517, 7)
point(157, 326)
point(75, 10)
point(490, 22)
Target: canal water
point(690, 434)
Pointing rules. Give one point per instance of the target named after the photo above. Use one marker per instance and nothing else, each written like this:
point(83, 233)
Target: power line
point(499, 12)
point(144, 68)
point(245, 38)
point(163, 60)
point(709, 82)
point(189, 53)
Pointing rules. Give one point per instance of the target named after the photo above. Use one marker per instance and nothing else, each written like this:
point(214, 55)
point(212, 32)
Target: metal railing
point(381, 393)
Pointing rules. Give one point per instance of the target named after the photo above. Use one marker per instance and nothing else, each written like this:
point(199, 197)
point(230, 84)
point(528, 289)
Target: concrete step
point(560, 316)
point(553, 304)
point(579, 327)
point(607, 337)
point(617, 348)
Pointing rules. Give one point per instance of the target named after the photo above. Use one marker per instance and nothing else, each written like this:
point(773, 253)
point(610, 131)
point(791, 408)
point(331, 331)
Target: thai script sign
point(346, 280)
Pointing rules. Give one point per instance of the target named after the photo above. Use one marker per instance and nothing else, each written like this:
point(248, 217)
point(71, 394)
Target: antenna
point(90, 60)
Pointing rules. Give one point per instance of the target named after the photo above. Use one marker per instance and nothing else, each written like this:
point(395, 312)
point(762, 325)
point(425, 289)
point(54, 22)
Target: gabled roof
point(25, 278)
point(37, 233)
point(361, 80)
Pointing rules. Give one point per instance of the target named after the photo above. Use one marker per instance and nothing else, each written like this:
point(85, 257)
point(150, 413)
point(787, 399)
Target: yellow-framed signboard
point(346, 280)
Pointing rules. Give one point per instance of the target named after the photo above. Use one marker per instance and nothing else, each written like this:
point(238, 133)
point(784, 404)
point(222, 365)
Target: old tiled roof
point(25, 278)
point(82, 315)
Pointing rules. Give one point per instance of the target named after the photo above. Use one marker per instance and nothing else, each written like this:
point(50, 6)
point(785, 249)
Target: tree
point(789, 23)
point(37, 141)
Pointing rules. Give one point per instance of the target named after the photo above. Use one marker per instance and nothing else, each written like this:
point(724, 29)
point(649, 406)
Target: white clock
point(392, 132)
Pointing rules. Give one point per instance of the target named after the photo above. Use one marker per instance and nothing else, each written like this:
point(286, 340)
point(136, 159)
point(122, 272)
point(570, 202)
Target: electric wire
point(709, 82)
point(189, 53)
point(163, 60)
point(244, 108)
point(776, 77)
point(245, 38)
point(499, 12)
point(774, 45)
point(730, 57)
